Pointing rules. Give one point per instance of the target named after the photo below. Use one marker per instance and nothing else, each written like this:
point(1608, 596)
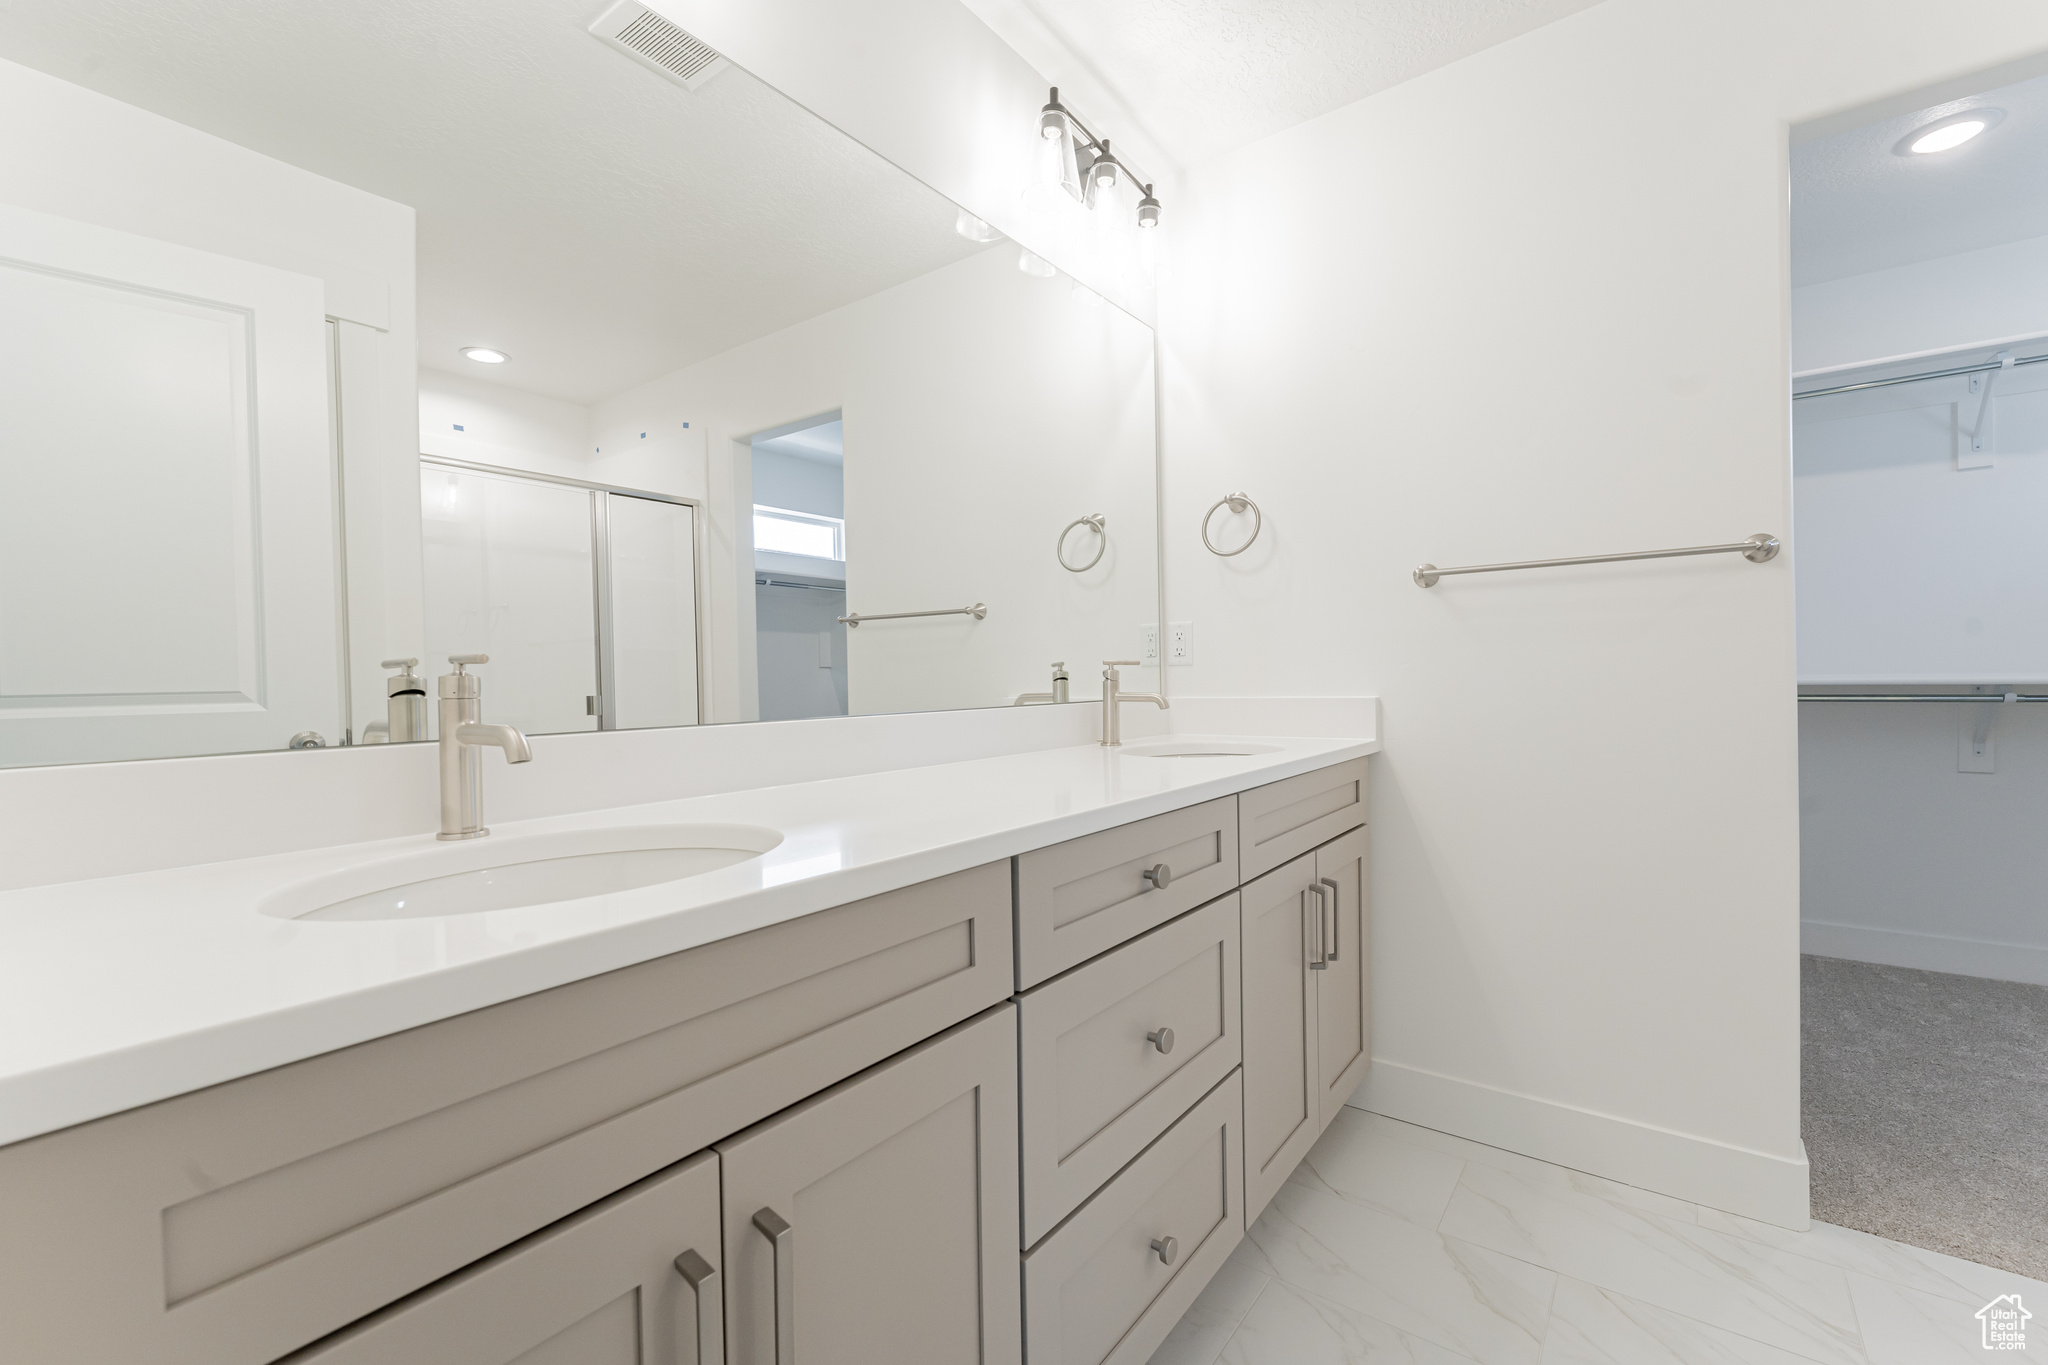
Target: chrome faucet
point(1112, 726)
point(462, 734)
point(1056, 696)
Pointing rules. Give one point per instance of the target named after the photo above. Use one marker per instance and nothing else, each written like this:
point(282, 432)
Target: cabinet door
point(632, 1280)
point(1282, 1085)
point(1344, 986)
point(876, 1223)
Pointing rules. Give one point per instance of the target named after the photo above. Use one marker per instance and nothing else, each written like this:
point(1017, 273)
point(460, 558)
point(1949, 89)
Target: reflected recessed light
point(974, 229)
point(1949, 133)
point(485, 355)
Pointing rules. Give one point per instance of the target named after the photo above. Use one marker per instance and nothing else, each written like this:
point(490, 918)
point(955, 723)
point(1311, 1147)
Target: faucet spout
point(463, 733)
point(506, 737)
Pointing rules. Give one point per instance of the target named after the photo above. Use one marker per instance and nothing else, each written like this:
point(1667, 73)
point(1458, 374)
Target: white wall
point(518, 430)
point(1912, 570)
point(83, 156)
point(984, 409)
point(1974, 296)
point(1536, 303)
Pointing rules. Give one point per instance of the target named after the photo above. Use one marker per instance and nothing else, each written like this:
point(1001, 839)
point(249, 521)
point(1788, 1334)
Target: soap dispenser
point(405, 703)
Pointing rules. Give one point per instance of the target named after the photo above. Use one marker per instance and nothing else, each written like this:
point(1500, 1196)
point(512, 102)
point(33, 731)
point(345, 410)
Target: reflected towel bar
point(979, 611)
point(1758, 549)
point(1923, 696)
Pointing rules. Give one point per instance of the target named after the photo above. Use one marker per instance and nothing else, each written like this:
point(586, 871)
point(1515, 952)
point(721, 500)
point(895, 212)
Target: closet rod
point(1916, 378)
point(1923, 696)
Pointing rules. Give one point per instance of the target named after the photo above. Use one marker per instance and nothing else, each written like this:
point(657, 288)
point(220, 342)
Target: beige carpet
point(1924, 1105)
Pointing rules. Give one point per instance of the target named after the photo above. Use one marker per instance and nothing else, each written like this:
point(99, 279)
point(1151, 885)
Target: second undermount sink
point(520, 870)
point(1198, 748)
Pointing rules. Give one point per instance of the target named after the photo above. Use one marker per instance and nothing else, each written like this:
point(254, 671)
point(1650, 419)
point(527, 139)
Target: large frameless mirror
point(530, 330)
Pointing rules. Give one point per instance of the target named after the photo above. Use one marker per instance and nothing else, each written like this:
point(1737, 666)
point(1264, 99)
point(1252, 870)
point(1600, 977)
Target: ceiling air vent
point(657, 44)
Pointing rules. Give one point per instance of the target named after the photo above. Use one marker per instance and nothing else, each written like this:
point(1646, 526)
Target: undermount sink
point(521, 870)
point(1198, 748)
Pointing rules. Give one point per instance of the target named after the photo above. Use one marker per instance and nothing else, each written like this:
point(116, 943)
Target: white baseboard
point(1760, 1185)
point(1928, 952)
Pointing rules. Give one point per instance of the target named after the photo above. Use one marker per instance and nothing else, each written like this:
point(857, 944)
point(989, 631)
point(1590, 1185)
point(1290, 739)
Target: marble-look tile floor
point(1398, 1245)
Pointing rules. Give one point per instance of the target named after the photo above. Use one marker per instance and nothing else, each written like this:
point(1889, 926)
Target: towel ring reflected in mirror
point(1095, 524)
point(1237, 502)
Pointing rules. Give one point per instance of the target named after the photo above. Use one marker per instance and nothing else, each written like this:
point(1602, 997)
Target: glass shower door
point(511, 572)
point(652, 563)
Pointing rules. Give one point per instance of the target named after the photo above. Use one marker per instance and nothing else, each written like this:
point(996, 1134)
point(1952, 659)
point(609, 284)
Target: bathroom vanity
point(1004, 1081)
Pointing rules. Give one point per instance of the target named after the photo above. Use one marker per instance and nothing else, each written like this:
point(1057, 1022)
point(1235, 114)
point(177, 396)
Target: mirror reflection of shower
point(800, 568)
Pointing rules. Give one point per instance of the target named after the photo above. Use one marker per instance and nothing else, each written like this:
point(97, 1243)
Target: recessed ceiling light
point(485, 355)
point(1954, 135)
point(1946, 134)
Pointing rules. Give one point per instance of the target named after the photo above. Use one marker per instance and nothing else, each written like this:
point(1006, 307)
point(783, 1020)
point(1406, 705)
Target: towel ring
point(1101, 542)
point(1238, 502)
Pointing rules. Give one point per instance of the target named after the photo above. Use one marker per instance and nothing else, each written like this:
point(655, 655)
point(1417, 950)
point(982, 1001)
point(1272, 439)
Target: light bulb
point(1949, 135)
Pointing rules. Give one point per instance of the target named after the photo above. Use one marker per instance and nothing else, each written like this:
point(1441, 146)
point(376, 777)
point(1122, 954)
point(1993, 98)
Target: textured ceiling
point(1857, 206)
point(597, 222)
point(1206, 76)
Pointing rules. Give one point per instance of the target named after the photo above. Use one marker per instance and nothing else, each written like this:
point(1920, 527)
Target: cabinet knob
point(1161, 1038)
point(1168, 1249)
point(1159, 874)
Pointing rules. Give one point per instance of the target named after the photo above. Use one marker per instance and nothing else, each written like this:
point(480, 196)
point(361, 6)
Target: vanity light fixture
point(1947, 134)
point(1083, 164)
point(485, 355)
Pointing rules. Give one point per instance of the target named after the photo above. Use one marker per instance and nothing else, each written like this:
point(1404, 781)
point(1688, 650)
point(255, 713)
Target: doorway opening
point(1920, 489)
point(799, 546)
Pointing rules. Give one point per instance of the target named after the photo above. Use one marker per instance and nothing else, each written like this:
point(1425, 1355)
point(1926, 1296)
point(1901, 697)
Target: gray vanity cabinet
point(1108, 1285)
point(1344, 986)
point(1282, 1096)
point(1085, 896)
point(1285, 819)
point(875, 1223)
point(1307, 1005)
point(231, 1225)
point(632, 1280)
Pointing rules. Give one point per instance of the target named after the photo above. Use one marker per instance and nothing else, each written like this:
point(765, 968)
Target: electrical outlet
point(1180, 643)
point(1148, 649)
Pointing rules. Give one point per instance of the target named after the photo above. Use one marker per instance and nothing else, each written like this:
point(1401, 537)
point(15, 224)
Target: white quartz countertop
point(122, 990)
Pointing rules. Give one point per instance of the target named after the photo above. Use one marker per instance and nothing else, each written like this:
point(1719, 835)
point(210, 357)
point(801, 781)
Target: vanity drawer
point(234, 1224)
point(1083, 897)
point(1095, 1088)
point(1095, 1291)
point(1289, 817)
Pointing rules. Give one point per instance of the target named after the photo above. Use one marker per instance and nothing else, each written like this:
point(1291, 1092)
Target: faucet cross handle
point(462, 660)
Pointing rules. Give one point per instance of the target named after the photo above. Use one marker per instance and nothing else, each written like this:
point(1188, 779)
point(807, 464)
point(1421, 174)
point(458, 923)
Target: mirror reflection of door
point(167, 526)
point(799, 473)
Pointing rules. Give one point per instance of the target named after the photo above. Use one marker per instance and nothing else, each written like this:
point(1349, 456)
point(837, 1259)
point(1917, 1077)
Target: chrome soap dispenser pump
point(405, 702)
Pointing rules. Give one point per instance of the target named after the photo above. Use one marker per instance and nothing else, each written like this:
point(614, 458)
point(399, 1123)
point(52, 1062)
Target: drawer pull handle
point(1161, 1038)
point(1168, 1249)
point(1336, 917)
point(780, 1238)
point(1159, 874)
point(1312, 927)
point(702, 1278)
